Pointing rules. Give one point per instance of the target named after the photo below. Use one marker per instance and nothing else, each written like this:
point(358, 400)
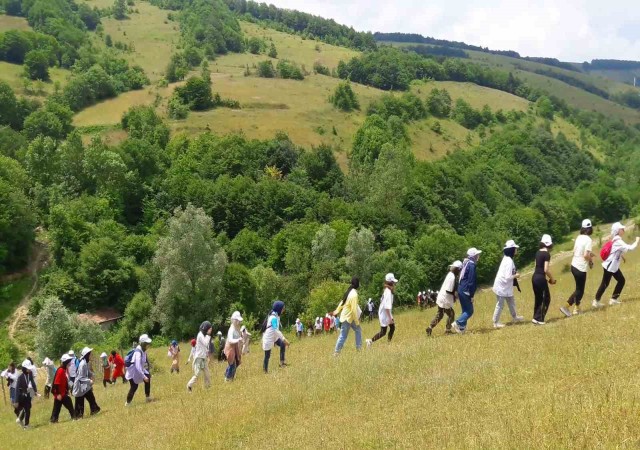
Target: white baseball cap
point(219, 333)
point(390, 278)
point(66, 357)
point(616, 227)
point(457, 264)
point(511, 244)
point(103, 355)
point(586, 223)
point(473, 252)
point(236, 316)
point(546, 240)
point(71, 353)
point(85, 351)
point(26, 364)
point(144, 339)
point(47, 362)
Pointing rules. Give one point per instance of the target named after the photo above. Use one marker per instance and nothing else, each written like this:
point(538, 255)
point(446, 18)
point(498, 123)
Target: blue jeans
point(467, 309)
point(230, 374)
point(267, 355)
point(12, 394)
point(344, 332)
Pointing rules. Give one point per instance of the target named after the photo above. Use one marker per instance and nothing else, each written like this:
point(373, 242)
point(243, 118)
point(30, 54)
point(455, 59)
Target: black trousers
point(542, 297)
point(133, 387)
point(93, 406)
point(581, 279)
point(383, 332)
point(57, 406)
point(606, 279)
point(47, 391)
point(23, 411)
point(267, 355)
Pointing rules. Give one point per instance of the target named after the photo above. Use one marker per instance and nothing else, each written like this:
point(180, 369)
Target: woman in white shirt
point(384, 312)
point(233, 346)
point(503, 284)
point(200, 356)
point(446, 298)
point(582, 261)
point(612, 265)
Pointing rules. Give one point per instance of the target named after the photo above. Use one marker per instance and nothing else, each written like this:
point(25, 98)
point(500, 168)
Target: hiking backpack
point(128, 359)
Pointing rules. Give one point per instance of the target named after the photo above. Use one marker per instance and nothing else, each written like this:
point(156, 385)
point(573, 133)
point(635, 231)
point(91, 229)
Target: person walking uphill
point(273, 336)
point(200, 356)
point(384, 312)
point(611, 265)
point(51, 373)
point(467, 289)
point(118, 366)
point(582, 261)
point(106, 369)
point(233, 346)
point(446, 298)
point(174, 354)
point(83, 386)
point(349, 316)
point(539, 280)
point(24, 383)
point(506, 278)
point(60, 391)
point(138, 372)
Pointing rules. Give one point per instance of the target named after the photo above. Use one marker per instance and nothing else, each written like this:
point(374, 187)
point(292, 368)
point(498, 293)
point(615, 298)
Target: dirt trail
point(38, 260)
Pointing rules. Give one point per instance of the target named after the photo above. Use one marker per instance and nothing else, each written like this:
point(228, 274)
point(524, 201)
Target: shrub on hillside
point(36, 65)
point(266, 70)
point(55, 334)
point(321, 69)
point(344, 98)
point(289, 70)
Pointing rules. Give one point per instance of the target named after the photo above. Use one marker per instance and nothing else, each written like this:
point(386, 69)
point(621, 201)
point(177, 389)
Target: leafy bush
point(344, 98)
point(321, 69)
point(289, 70)
point(266, 70)
point(56, 333)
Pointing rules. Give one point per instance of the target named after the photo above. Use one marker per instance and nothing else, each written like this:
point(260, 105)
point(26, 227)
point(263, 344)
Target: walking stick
point(4, 396)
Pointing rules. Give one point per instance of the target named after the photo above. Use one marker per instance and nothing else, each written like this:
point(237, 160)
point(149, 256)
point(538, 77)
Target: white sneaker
point(18, 421)
point(614, 301)
point(596, 304)
point(498, 325)
point(455, 327)
point(369, 343)
point(127, 404)
point(536, 322)
point(518, 318)
point(564, 310)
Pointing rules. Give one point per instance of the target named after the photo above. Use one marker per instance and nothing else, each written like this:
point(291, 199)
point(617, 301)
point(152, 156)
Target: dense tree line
point(427, 50)
point(293, 21)
point(610, 64)
point(589, 87)
point(553, 62)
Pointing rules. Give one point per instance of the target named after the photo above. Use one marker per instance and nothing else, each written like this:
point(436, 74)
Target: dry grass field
point(569, 384)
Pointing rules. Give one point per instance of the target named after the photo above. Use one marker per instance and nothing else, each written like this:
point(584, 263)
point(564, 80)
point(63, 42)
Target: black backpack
point(265, 323)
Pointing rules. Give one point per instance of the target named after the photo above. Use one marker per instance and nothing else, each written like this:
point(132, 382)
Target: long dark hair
point(588, 231)
point(510, 252)
point(355, 284)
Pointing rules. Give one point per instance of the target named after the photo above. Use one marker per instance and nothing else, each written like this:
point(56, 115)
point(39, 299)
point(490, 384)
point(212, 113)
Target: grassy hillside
point(569, 384)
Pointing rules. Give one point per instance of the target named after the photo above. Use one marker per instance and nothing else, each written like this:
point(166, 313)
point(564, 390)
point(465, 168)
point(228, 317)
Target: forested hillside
point(264, 164)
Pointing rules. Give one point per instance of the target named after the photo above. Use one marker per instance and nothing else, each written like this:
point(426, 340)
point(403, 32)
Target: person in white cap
point(72, 367)
point(106, 369)
point(11, 375)
point(582, 261)
point(467, 289)
point(60, 390)
point(24, 384)
point(539, 281)
point(246, 337)
point(615, 248)
point(233, 346)
point(299, 328)
point(51, 372)
point(83, 386)
point(446, 298)
point(138, 371)
point(385, 316)
point(506, 278)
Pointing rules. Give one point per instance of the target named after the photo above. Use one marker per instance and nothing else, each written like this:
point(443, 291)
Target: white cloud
point(571, 30)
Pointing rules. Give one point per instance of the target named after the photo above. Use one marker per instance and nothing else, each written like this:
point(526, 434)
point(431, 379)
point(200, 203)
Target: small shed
point(106, 318)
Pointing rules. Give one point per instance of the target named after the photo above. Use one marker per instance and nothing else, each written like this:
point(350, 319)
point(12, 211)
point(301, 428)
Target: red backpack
point(606, 250)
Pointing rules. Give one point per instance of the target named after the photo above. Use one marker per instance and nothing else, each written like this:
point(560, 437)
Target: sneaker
point(429, 331)
point(189, 389)
point(576, 310)
point(127, 404)
point(498, 325)
point(564, 310)
point(19, 421)
point(149, 399)
point(448, 332)
point(596, 304)
point(283, 364)
point(369, 343)
point(455, 327)
point(26, 427)
point(518, 318)
point(536, 322)
point(614, 301)
point(93, 413)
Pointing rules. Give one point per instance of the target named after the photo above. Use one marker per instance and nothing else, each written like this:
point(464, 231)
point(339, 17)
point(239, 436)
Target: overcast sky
point(570, 30)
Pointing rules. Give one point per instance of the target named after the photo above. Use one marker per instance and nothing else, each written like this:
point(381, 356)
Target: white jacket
point(202, 346)
point(503, 284)
point(618, 248)
point(272, 333)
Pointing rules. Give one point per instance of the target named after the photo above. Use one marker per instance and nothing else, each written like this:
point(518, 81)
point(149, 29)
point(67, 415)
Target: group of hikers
point(74, 376)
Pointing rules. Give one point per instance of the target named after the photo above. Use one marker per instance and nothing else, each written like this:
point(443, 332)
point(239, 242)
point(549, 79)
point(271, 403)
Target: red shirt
point(60, 382)
point(327, 323)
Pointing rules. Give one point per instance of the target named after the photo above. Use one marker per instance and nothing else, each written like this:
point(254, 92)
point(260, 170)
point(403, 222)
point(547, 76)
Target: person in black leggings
point(539, 281)
point(580, 264)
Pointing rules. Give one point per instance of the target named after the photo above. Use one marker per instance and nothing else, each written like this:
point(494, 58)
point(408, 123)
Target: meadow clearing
point(569, 384)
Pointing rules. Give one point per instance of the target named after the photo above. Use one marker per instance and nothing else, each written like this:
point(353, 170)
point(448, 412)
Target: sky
point(570, 30)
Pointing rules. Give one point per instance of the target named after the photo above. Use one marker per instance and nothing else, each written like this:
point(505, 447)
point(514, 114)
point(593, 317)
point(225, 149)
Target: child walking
point(384, 312)
point(446, 298)
point(24, 383)
point(503, 284)
point(174, 354)
point(273, 336)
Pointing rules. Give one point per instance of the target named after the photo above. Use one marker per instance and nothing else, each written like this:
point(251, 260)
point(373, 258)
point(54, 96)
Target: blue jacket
point(468, 280)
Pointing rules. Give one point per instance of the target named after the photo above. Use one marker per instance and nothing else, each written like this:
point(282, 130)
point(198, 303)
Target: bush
point(55, 334)
point(273, 52)
point(438, 103)
point(36, 65)
point(196, 93)
point(320, 68)
point(176, 109)
point(344, 98)
point(266, 70)
point(255, 45)
point(289, 70)
point(325, 298)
